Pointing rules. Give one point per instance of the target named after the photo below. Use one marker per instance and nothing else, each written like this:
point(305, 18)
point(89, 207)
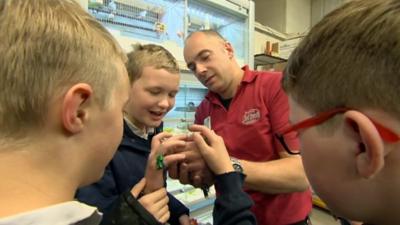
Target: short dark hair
point(349, 59)
point(208, 32)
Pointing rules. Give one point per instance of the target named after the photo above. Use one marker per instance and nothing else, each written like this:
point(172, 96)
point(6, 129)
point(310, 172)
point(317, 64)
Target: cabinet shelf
point(263, 59)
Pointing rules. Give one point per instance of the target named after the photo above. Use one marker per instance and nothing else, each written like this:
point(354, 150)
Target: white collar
point(60, 214)
point(143, 133)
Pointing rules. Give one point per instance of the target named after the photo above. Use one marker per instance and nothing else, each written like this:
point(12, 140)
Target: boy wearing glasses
point(343, 85)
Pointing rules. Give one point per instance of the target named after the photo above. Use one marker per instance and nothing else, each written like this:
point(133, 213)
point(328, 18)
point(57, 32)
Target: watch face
point(237, 168)
point(236, 165)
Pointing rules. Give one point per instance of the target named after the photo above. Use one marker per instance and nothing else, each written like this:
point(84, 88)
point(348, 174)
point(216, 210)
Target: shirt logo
point(251, 116)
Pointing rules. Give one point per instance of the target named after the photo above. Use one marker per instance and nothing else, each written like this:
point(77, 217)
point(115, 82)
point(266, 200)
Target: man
point(344, 79)
point(247, 108)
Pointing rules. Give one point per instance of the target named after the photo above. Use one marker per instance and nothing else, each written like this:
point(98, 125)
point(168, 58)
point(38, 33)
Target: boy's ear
point(74, 108)
point(371, 152)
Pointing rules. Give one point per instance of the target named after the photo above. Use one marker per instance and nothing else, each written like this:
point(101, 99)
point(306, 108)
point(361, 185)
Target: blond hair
point(149, 55)
point(349, 59)
point(47, 46)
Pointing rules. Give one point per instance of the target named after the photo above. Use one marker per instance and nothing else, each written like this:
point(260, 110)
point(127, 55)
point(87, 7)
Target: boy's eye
point(172, 95)
point(154, 92)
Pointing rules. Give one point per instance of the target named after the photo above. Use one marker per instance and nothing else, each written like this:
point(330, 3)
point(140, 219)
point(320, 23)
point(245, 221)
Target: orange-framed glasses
point(385, 133)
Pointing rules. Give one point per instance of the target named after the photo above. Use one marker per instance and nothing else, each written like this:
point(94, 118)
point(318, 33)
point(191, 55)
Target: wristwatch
point(237, 166)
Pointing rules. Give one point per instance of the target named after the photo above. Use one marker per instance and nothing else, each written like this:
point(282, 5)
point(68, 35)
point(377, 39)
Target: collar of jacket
point(131, 140)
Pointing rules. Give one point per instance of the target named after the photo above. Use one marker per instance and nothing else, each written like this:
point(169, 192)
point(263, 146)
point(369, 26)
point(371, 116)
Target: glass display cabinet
point(151, 20)
point(231, 24)
point(182, 115)
point(168, 22)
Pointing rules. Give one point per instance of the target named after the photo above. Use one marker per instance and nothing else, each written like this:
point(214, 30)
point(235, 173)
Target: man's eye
point(205, 57)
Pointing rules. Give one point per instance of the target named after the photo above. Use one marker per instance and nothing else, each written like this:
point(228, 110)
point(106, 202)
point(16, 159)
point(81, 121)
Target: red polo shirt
point(258, 111)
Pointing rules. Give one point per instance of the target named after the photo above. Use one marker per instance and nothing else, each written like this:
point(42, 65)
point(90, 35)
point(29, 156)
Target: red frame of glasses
point(386, 134)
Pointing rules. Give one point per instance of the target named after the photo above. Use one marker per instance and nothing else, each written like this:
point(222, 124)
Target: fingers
point(192, 154)
point(214, 152)
point(195, 165)
point(157, 204)
point(155, 173)
point(173, 170)
point(161, 207)
point(184, 220)
point(157, 195)
point(156, 141)
point(203, 147)
point(208, 134)
point(165, 143)
point(164, 218)
point(196, 178)
point(138, 188)
point(184, 174)
point(190, 146)
point(168, 147)
point(173, 159)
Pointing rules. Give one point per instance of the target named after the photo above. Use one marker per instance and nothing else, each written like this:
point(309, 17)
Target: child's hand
point(213, 151)
point(193, 170)
point(156, 203)
point(184, 220)
point(163, 144)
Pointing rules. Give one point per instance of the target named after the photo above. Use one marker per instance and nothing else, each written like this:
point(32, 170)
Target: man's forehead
point(203, 38)
point(194, 47)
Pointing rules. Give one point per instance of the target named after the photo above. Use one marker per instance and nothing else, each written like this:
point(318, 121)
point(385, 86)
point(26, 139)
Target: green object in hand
point(160, 162)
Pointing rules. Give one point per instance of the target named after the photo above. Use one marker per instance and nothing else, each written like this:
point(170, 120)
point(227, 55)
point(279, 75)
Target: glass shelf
point(263, 59)
point(153, 20)
point(187, 100)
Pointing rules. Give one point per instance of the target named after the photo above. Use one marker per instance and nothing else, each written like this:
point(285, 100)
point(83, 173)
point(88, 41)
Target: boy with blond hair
point(62, 93)
point(154, 77)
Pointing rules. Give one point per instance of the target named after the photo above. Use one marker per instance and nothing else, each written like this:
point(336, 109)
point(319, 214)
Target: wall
point(263, 34)
point(298, 16)
point(280, 20)
point(126, 43)
point(319, 8)
point(271, 13)
point(286, 16)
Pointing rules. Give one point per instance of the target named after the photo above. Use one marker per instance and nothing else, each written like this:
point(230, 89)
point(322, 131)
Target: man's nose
point(200, 70)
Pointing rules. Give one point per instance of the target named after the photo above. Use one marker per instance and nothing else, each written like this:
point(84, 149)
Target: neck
point(28, 184)
point(230, 92)
point(135, 123)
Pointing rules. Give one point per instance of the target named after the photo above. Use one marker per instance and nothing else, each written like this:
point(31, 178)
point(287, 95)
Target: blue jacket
point(125, 170)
